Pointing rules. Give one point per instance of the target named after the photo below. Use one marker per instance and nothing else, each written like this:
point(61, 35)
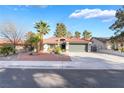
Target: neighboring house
point(101, 43)
point(68, 44)
point(3, 41)
point(19, 45)
point(118, 45)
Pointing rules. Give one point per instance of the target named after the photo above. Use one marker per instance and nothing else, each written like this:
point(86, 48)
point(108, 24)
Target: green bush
point(57, 50)
point(116, 49)
point(49, 49)
point(5, 50)
point(122, 49)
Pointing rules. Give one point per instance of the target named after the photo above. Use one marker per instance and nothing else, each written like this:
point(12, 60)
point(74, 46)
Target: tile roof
point(4, 41)
point(102, 39)
point(55, 40)
point(51, 40)
point(77, 40)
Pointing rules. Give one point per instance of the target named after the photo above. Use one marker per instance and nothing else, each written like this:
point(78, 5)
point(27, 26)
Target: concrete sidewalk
point(59, 65)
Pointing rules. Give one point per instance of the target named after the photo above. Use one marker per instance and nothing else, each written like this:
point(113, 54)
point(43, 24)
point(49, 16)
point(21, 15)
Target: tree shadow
point(31, 78)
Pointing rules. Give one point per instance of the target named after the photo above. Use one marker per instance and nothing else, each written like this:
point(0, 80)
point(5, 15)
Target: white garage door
point(77, 47)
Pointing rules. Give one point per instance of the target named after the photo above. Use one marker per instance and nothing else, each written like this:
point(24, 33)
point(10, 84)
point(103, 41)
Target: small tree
point(118, 39)
point(87, 34)
point(61, 30)
point(32, 39)
point(77, 34)
point(11, 33)
point(118, 25)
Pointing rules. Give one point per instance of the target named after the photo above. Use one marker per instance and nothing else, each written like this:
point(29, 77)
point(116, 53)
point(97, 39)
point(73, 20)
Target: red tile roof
point(77, 40)
point(4, 41)
point(55, 40)
point(51, 40)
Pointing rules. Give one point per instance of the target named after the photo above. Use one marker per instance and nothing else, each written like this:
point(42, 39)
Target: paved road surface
point(36, 78)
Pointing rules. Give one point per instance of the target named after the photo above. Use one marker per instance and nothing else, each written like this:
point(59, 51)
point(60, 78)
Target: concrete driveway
point(79, 61)
point(98, 60)
point(90, 57)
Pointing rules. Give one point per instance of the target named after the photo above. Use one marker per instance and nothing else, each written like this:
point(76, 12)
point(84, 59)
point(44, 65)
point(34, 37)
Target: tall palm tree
point(42, 28)
point(77, 34)
point(87, 34)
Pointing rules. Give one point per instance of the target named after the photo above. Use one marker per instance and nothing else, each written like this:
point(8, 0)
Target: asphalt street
point(59, 78)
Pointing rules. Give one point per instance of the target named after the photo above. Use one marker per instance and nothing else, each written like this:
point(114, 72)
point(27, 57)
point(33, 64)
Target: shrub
point(57, 50)
point(5, 50)
point(49, 49)
point(116, 49)
point(122, 49)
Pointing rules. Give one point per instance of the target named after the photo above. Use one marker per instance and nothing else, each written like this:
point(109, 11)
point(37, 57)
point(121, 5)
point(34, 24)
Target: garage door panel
point(77, 47)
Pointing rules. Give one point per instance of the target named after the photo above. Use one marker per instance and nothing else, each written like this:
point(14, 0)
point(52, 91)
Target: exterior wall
point(109, 45)
point(89, 46)
point(46, 46)
point(98, 44)
point(67, 46)
point(19, 47)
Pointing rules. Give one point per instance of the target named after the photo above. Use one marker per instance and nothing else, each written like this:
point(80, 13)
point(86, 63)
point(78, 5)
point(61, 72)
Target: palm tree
point(77, 34)
point(87, 34)
point(42, 28)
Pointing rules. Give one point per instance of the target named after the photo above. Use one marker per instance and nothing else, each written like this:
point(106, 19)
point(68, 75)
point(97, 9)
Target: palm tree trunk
point(37, 47)
point(40, 43)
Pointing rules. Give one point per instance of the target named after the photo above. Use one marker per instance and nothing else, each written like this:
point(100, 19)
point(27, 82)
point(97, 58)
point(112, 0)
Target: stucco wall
point(46, 46)
point(99, 45)
point(89, 46)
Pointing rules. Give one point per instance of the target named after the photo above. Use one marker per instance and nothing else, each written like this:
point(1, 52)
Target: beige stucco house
point(68, 44)
point(101, 43)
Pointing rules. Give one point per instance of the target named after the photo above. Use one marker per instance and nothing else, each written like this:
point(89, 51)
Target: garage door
point(77, 47)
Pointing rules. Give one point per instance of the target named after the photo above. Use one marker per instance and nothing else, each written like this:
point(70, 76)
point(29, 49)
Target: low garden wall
point(112, 52)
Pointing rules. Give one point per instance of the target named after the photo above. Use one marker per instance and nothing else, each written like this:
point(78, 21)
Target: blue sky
point(95, 18)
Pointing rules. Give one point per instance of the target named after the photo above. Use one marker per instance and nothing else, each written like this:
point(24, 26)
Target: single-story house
point(68, 44)
point(101, 43)
point(19, 45)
